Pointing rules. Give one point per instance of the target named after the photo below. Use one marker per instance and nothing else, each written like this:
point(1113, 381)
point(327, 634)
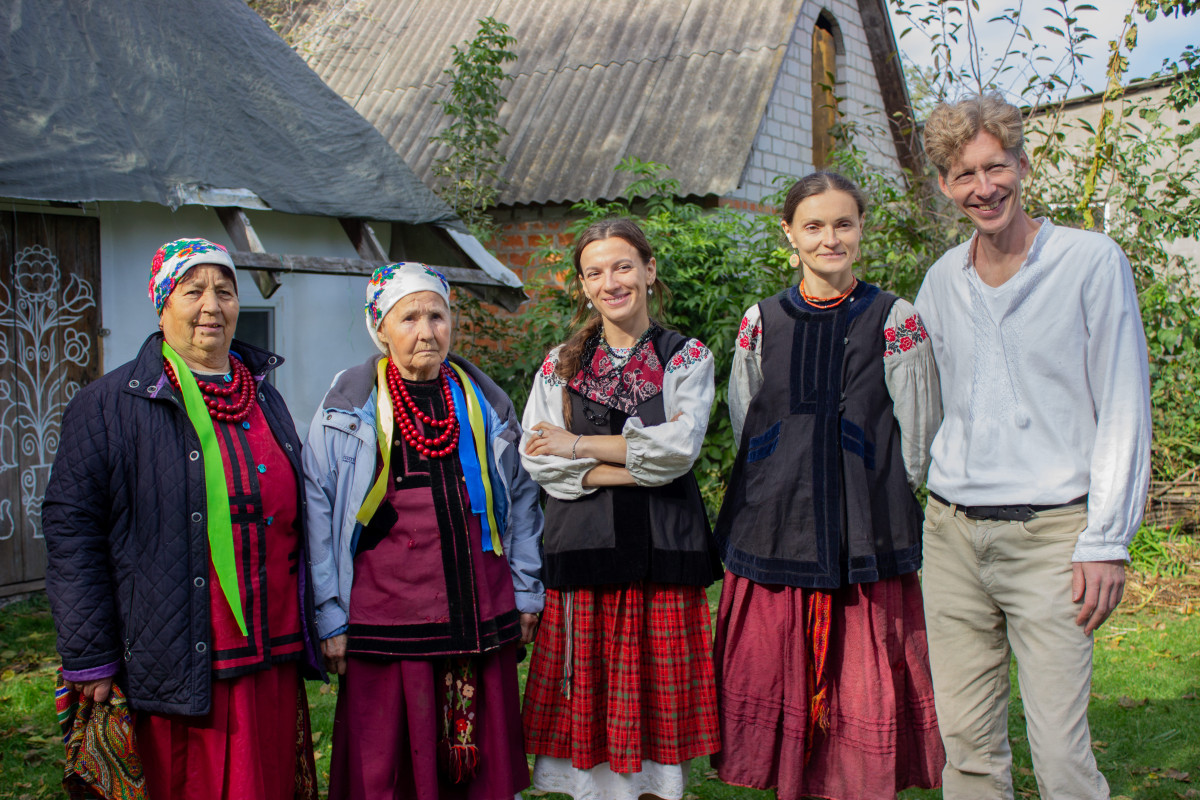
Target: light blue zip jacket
point(339, 468)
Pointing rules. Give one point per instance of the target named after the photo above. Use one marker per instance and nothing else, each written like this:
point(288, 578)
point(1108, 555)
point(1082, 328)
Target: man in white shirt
point(1040, 467)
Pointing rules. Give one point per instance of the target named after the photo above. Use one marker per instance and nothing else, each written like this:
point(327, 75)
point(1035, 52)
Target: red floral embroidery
point(691, 353)
point(549, 373)
point(748, 335)
point(904, 337)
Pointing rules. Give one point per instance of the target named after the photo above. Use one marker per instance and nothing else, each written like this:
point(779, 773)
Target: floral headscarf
point(390, 282)
point(175, 258)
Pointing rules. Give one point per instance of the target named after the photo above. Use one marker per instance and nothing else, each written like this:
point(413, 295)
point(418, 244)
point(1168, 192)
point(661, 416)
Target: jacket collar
point(148, 369)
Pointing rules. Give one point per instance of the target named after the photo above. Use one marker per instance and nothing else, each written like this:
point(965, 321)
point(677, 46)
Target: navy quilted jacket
point(126, 534)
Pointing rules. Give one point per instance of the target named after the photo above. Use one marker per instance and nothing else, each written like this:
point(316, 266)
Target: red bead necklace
point(402, 402)
point(217, 396)
point(827, 302)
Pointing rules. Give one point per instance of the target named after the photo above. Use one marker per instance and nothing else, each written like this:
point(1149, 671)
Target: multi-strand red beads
point(402, 405)
point(827, 302)
point(217, 395)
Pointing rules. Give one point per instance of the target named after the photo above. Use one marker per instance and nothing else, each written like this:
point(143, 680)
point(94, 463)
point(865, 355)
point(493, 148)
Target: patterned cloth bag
point(102, 759)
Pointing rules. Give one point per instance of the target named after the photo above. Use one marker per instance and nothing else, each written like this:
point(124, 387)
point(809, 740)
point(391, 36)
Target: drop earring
point(794, 259)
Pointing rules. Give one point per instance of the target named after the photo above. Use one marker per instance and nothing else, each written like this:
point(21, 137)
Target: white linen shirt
point(1045, 384)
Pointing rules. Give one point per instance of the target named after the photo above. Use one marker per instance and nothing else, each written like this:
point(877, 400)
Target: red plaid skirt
point(641, 684)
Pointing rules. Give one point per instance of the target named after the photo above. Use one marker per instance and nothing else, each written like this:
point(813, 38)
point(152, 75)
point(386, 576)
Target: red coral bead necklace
point(827, 302)
point(402, 406)
point(218, 397)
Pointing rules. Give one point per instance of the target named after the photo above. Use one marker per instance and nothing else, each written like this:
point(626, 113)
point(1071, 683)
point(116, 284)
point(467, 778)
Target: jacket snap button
point(196, 517)
point(199, 582)
point(195, 454)
point(134, 384)
point(262, 397)
point(288, 445)
point(846, 340)
point(272, 360)
point(201, 647)
point(152, 389)
point(353, 426)
point(329, 416)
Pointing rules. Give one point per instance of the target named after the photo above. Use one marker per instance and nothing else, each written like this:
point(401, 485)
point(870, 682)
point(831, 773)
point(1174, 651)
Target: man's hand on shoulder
point(1098, 587)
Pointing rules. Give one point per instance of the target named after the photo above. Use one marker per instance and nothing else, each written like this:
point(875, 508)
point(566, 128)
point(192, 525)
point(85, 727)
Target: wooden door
point(49, 348)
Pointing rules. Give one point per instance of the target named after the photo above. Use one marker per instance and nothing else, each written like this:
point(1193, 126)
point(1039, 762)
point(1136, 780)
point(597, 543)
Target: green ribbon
point(220, 526)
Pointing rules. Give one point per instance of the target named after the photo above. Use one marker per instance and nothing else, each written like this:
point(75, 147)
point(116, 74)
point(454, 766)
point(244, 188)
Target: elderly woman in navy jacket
point(174, 531)
point(426, 539)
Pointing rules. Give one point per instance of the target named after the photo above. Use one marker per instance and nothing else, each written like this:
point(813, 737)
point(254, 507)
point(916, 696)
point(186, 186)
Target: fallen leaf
point(1099, 745)
point(1176, 775)
point(316, 737)
point(1128, 702)
point(1025, 771)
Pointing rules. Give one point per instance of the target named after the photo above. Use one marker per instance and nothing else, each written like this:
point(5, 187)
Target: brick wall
point(783, 145)
point(524, 231)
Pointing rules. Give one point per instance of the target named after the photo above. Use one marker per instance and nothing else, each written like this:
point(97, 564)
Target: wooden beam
point(321, 265)
point(362, 236)
point(896, 103)
point(244, 237)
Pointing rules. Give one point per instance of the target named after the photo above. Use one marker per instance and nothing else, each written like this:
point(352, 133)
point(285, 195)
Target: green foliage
point(469, 171)
point(1156, 552)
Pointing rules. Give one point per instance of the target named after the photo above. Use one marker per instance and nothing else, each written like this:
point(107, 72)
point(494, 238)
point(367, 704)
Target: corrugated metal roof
point(595, 81)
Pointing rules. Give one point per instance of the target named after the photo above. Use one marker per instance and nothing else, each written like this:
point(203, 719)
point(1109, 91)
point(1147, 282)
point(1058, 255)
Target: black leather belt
point(1014, 513)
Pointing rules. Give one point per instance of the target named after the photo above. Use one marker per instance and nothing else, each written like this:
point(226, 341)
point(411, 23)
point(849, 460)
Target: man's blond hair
point(952, 125)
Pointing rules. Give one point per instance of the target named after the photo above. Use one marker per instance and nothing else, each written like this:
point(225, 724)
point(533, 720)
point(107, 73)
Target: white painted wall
point(783, 145)
point(319, 326)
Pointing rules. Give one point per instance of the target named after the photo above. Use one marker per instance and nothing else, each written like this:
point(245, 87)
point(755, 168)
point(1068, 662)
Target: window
point(824, 81)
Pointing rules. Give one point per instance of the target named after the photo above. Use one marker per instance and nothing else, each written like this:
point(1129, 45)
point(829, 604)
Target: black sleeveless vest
point(623, 534)
point(818, 496)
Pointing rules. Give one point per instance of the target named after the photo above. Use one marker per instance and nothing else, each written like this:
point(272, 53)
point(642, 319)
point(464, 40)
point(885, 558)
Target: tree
point(469, 171)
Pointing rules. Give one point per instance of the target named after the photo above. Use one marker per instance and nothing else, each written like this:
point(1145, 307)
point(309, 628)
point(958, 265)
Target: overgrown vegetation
point(469, 170)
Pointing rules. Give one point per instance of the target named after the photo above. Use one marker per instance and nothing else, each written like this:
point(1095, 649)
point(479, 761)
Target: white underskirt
point(600, 783)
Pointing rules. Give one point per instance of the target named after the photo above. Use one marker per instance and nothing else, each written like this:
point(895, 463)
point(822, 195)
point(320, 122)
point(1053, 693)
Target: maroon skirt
point(254, 742)
point(385, 732)
point(883, 734)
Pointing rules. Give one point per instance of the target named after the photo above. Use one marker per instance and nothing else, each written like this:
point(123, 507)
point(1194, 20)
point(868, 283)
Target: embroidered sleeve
point(692, 353)
point(912, 381)
point(658, 454)
point(749, 332)
point(745, 377)
point(549, 372)
point(903, 334)
point(560, 477)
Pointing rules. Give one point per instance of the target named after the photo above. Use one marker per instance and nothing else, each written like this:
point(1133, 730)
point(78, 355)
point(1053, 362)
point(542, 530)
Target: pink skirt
point(254, 742)
point(385, 732)
point(883, 734)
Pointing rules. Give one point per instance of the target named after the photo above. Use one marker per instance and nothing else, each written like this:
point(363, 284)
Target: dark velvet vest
point(818, 496)
point(629, 533)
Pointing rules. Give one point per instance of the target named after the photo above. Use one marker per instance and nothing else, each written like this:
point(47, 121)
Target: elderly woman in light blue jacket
point(425, 537)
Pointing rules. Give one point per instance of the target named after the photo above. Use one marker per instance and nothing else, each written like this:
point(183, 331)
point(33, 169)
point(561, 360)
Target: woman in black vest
point(620, 693)
point(820, 653)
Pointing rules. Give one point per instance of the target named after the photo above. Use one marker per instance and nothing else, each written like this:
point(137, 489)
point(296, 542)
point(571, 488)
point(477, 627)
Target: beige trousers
point(994, 589)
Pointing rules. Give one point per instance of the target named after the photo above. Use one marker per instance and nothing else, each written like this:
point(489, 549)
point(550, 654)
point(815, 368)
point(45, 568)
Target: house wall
point(1089, 112)
point(784, 142)
point(318, 318)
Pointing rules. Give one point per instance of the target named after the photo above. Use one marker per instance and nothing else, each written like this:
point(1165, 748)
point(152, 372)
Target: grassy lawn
point(1145, 710)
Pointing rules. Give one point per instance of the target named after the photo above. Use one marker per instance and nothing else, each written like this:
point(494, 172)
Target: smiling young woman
point(820, 630)
point(620, 693)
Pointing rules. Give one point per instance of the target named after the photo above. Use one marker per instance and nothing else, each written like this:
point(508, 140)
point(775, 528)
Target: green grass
point(1145, 711)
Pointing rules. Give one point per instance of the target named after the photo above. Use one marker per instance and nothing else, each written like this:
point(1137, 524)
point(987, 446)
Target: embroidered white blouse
point(654, 455)
point(908, 370)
